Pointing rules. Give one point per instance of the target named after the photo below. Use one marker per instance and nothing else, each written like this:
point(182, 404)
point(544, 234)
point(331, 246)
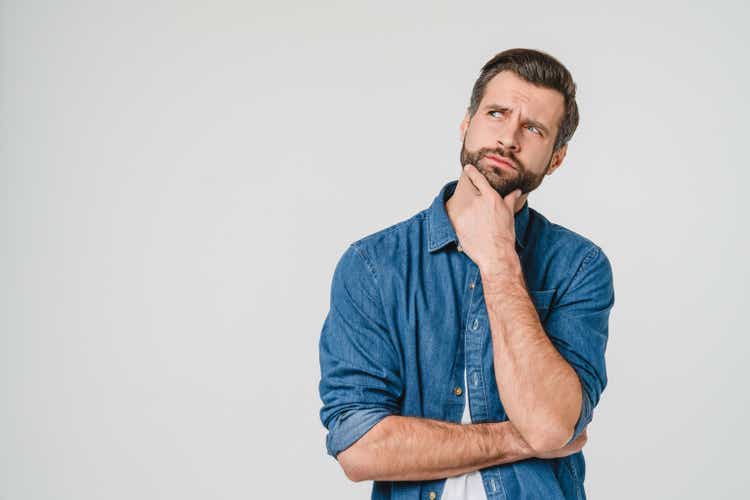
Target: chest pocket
point(542, 300)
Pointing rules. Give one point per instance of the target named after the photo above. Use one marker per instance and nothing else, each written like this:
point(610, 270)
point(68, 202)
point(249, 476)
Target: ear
point(464, 125)
point(557, 159)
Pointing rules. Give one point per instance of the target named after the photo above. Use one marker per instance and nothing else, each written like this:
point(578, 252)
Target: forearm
point(402, 448)
point(540, 391)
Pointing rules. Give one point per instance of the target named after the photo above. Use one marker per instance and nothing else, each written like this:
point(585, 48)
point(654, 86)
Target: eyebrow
point(531, 122)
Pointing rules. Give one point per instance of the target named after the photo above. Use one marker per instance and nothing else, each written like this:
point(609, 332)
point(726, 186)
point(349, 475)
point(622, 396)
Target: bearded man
point(463, 352)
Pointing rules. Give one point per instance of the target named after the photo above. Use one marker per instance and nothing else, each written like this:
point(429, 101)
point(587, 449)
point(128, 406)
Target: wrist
point(513, 446)
point(503, 257)
point(503, 273)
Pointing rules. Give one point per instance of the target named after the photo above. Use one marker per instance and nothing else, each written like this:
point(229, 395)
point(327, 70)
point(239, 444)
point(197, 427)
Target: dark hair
point(540, 69)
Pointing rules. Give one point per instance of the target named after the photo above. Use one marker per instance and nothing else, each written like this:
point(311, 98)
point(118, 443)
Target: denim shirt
point(407, 316)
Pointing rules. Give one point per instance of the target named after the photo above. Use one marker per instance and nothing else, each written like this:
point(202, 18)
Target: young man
point(463, 353)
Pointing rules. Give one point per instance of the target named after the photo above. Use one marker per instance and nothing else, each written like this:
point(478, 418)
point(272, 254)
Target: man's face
point(516, 122)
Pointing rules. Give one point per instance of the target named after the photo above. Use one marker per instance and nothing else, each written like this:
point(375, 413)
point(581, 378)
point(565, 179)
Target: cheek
point(537, 158)
point(477, 138)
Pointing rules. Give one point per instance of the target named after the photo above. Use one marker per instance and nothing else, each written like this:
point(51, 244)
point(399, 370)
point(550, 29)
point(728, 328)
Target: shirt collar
point(440, 231)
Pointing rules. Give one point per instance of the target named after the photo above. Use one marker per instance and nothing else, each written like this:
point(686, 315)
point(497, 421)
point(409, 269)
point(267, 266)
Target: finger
point(511, 199)
point(478, 179)
point(466, 179)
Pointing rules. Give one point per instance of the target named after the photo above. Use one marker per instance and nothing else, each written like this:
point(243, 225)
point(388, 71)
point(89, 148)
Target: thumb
point(511, 199)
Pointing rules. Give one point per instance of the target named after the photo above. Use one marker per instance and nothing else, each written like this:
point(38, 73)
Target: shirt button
point(460, 248)
point(433, 495)
point(471, 285)
point(475, 325)
point(458, 391)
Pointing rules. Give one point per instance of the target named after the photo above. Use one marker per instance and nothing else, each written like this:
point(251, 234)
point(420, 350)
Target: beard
point(503, 181)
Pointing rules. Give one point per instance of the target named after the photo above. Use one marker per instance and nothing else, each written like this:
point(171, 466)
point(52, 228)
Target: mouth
point(502, 162)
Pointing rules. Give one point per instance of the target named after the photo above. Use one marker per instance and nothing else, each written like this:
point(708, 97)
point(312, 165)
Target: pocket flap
point(542, 299)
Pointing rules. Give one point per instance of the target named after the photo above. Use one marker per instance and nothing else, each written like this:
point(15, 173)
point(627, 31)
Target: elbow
point(553, 432)
point(363, 460)
point(353, 464)
point(549, 439)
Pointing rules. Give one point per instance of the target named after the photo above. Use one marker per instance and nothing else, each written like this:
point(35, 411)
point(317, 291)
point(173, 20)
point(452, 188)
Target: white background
point(179, 180)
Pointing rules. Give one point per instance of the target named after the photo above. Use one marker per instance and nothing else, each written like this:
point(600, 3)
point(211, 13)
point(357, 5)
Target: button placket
point(474, 343)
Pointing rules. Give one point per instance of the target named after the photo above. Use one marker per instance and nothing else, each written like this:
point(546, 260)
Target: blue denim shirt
point(407, 316)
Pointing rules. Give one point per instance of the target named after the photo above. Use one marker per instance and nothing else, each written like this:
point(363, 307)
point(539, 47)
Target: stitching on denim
point(484, 386)
point(470, 293)
point(430, 243)
point(502, 485)
point(544, 308)
point(363, 255)
point(414, 219)
point(462, 338)
point(588, 258)
point(590, 254)
point(579, 485)
point(371, 268)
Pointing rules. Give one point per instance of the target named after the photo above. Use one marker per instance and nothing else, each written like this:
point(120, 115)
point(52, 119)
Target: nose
point(507, 138)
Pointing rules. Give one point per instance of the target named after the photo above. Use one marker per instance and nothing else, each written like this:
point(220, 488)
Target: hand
point(483, 220)
point(568, 449)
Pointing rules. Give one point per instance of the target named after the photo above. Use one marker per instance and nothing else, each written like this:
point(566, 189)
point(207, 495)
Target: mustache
point(501, 153)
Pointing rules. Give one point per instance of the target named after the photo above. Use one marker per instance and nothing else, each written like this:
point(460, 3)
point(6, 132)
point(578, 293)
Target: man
point(463, 352)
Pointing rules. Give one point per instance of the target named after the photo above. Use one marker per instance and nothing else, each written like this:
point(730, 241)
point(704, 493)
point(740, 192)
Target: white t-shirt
point(466, 486)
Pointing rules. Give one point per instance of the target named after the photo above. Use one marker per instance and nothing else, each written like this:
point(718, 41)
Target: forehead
point(537, 103)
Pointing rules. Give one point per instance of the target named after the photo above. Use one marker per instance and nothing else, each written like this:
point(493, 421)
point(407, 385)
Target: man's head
point(523, 111)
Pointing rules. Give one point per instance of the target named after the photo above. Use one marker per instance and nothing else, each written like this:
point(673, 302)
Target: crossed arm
point(361, 386)
point(414, 449)
point(550, 377)
point(540, 391)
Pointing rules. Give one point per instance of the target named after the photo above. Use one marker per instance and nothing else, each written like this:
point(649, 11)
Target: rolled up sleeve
point(360, 380)
point(578, 326)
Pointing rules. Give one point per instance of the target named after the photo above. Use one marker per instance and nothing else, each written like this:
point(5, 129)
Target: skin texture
point(541, 393)
point(413, 449)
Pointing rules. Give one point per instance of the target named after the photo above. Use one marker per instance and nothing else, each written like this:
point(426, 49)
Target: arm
point(417, 449)
point(540, 391)
point(551, 379)
point(412, 449)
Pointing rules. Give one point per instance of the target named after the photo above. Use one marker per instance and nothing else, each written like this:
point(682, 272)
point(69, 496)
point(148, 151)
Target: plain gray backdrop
point(180, 178)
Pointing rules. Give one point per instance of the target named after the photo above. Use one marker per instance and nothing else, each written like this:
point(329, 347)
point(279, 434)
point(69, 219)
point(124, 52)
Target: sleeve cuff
point(587, 410)
point(351, 426)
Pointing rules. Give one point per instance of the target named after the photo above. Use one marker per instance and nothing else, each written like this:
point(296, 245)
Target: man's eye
point(534, 130)
point(493, 112)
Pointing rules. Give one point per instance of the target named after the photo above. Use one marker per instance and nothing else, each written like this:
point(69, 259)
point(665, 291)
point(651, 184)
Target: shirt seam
point(362, 253)
point(590, 255)
point(414, 219)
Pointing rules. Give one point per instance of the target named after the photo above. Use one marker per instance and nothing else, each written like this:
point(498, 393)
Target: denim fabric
point(407, 315)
